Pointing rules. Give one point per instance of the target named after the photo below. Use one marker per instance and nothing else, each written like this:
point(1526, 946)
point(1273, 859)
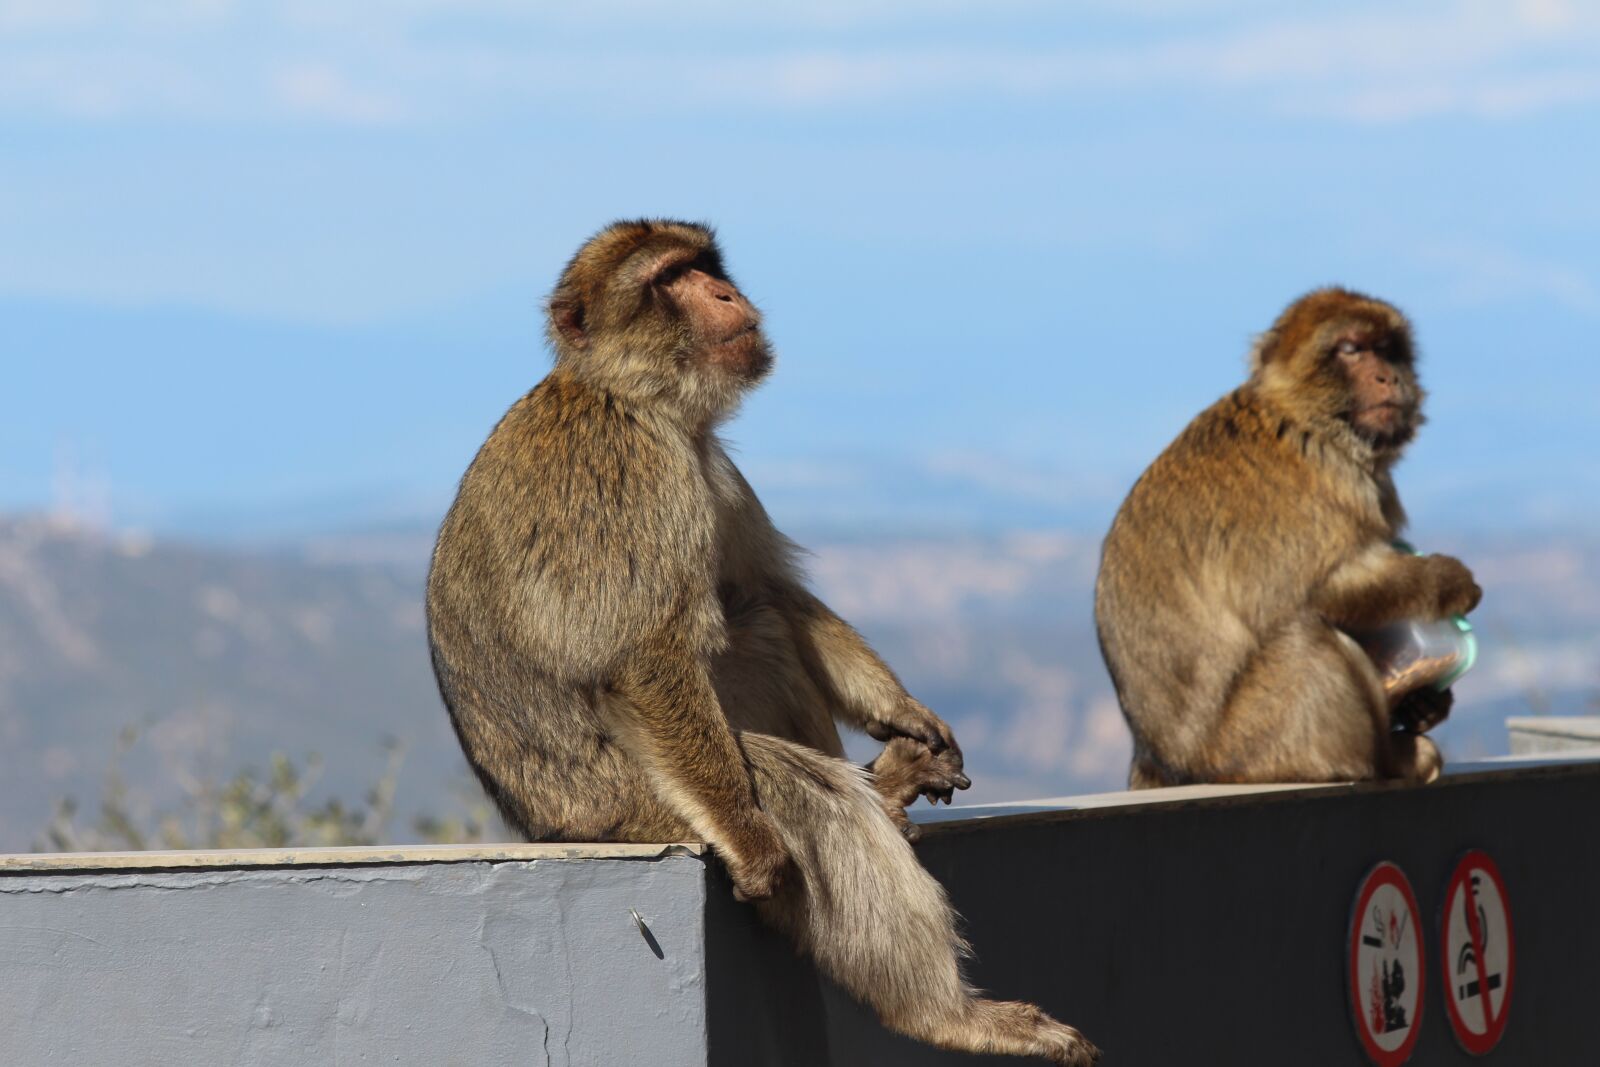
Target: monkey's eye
point(670, 274)
point(1347, 349)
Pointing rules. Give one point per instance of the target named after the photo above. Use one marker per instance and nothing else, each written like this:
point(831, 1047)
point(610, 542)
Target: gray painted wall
point(465, 963)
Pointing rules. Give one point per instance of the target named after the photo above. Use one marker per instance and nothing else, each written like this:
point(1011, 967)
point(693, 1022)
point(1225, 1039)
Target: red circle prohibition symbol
point(1385, 874)
point(1464, 885)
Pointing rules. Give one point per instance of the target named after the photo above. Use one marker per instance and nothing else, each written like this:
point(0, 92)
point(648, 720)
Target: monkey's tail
point(874, 920)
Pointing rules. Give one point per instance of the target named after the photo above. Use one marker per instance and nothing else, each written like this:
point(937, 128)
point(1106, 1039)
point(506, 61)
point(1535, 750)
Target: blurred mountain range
point(220, 656)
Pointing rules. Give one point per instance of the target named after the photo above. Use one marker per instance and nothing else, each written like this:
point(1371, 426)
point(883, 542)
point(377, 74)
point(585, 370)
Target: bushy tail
point(874, 920)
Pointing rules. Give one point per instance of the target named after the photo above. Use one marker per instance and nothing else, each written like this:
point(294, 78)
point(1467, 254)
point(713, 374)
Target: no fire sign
point(1386, 966)
point(1479, 952)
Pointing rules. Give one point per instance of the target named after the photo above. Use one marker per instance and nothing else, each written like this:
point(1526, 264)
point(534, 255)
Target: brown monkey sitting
point(628, 651)
point(1249, 548)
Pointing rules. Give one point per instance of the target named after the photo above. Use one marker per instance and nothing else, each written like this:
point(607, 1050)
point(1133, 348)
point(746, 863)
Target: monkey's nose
point(725, 297)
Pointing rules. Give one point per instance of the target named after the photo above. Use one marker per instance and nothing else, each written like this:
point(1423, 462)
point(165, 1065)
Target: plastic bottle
point(1419, 652)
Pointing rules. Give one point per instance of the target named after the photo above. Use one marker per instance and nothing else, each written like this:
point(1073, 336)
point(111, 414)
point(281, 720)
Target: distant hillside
point(225, 656)
point(221, 657)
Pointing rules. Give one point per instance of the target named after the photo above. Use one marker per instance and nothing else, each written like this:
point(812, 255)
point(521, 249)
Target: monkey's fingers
point(911, 728)
point(1422, 710)
point(913, 719)
point(1459, 592)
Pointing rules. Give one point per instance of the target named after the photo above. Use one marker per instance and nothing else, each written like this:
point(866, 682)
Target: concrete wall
point(471, 962)
point(1542, 734)
point(1196, 926)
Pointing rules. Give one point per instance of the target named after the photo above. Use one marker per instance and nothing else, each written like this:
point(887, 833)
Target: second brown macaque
point(1251, 549)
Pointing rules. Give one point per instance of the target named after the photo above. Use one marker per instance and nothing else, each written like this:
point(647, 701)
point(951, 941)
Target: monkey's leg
point(763, 687)
point(1308, 707)
point(1143, 775)
point(874, 920)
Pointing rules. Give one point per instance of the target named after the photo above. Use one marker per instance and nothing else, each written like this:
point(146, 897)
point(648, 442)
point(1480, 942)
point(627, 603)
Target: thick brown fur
point(629, 653)
point(1255, 544)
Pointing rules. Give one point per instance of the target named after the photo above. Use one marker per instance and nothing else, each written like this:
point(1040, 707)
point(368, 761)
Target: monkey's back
point(570, 527)
point(1218, 543)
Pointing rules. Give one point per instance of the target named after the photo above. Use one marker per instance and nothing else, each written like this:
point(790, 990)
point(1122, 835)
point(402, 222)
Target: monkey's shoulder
point(1225, 459)
point(581, 448)
point(1244, 488)
point(582, 490)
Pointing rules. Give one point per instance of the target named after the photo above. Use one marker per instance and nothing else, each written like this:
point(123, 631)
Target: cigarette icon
point(1471, 988)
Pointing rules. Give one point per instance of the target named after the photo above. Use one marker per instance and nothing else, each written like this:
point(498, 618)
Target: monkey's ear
point(1263, 350)
point(566, 315)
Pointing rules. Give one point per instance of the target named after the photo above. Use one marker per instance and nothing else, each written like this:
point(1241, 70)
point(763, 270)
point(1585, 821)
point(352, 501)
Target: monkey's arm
point(1383, 585)
point(862, 689)
point(678, 731)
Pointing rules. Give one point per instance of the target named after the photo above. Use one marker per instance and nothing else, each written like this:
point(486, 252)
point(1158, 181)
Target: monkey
point(1256, 543)
point(628, 651)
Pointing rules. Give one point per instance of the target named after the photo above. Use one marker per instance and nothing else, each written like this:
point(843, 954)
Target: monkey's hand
point(1458, 593)
point(907, 769)
point(911, 718)
point(1422, 709)
point(756, 858)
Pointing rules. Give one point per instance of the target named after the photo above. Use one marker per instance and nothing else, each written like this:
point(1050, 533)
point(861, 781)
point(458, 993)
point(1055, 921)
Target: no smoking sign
point(1386, 966)
point(1479, 952)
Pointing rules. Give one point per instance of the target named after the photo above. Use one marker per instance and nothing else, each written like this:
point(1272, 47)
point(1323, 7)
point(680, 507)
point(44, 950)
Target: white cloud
point(419, 59)
point(1476, 273)
point(320, 90)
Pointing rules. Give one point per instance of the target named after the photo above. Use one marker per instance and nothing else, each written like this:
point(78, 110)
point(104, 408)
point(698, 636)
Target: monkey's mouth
point(1389, 409)
point(745, 353)
point(1384, 422)
point(739, 334)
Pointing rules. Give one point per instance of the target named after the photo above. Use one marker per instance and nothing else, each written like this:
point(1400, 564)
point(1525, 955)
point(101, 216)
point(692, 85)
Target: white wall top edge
point(332, 857)
point(1577, 726)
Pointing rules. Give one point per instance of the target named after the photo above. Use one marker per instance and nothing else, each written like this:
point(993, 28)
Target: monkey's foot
point(1417, 758)
point(1016, 1028)
point(907, 769)
point(758, 862)
point(1074, 1050)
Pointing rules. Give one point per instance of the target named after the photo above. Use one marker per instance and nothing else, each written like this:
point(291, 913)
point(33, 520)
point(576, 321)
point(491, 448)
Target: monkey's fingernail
point(963, 782)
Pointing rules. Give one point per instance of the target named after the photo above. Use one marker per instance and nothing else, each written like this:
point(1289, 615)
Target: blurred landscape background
point(269, 272)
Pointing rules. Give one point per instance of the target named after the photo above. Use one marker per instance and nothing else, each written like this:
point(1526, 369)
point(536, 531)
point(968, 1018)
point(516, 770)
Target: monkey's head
point(645, 308)
point(1336, 356)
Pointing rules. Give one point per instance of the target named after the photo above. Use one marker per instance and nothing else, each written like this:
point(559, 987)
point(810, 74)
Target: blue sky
point(268, 265)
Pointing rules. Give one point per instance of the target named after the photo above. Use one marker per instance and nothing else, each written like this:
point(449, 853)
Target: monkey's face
point(1380, 386)
point(646, 308)
point(721, 327)
point(1335, 355)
